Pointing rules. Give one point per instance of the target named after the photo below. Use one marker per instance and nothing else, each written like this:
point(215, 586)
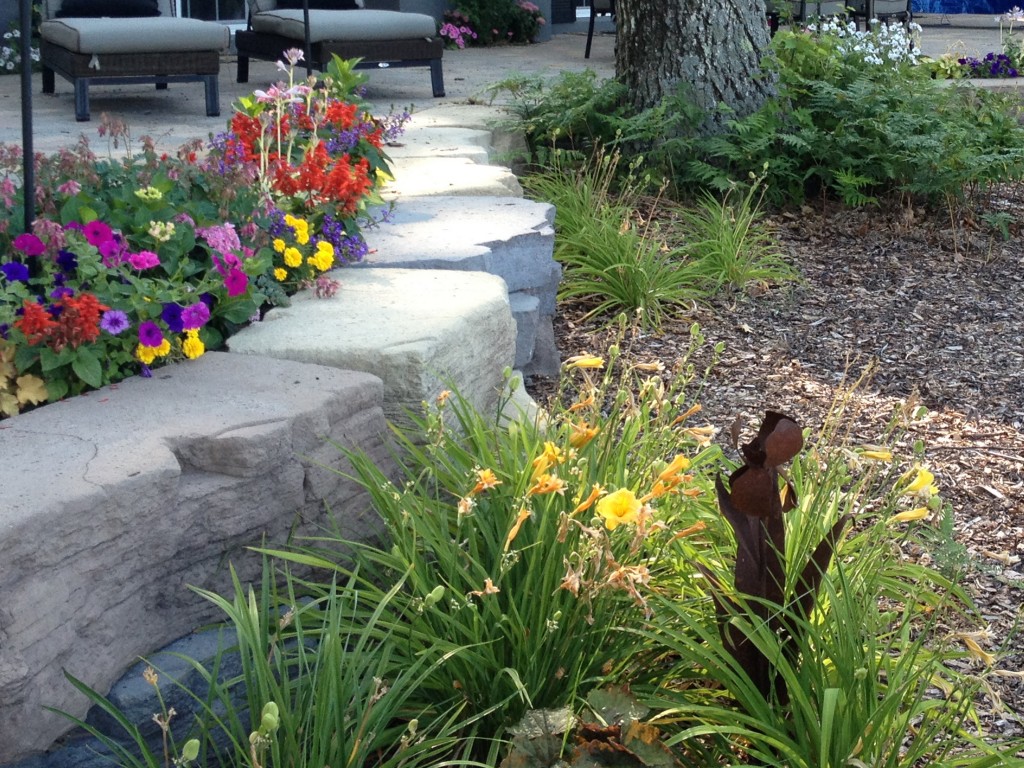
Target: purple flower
point(97, 233)
point(114, 321)
point(30, 245)
point(236, 281)
point(112, 251)
point(195, 316)
point(15, 271)
point(146, 372)
point(61, 292)
point(171, 315)
point(67, 261)
point(150, 334)
point(144, 260)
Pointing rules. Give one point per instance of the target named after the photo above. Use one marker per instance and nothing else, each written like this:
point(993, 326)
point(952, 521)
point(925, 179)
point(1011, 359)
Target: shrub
point(494, 21)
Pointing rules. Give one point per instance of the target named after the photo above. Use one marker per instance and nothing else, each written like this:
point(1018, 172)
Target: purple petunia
point(61, 292)
point(195, 316)
point(171, 315)
point(150, 334)
point(15, 271)
point(29, 244)
point(67, 261)
point(114, 321)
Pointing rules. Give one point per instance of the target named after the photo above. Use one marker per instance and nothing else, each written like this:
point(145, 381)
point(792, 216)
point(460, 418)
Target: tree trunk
point(711, 47)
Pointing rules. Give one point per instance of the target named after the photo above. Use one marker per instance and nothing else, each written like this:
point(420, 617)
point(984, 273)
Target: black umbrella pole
point(29, 174)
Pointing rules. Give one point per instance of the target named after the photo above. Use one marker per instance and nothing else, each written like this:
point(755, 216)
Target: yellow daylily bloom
point(697, 527)
point(551, 456)
point(695, 408)
point(876, 455)
point(582, 434)
point(584, 402)
point(619, 508)
point(675, 468)
point(922, 482)
point(907, 516)
point(585, 360)
point(976, 651)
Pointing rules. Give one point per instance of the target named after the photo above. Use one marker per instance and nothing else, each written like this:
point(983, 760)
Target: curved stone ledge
point(117, 501)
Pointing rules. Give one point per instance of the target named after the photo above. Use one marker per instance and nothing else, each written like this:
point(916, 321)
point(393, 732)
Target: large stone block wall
point(114, 503)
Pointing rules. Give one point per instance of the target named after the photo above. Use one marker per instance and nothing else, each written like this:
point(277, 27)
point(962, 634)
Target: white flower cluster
point(10, 54)
point(880, 45)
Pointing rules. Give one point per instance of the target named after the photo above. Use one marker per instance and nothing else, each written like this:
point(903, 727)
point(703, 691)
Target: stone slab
point(421, 176)
point(420, 141)
point(420, 331)
point(115, 502)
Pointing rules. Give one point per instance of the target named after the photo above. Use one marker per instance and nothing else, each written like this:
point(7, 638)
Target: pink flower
point(30, 245)
point(97, 233)
point(144, 260)
point(236, 282)
point(70, 188)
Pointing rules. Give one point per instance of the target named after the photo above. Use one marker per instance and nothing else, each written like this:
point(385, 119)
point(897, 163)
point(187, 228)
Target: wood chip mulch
point(932, 305)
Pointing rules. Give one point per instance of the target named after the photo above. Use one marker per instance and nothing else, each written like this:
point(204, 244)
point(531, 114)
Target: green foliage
point(613, 260)
point(500, 21)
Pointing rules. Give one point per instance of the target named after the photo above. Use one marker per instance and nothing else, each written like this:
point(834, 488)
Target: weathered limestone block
point(419, 330)
point(115, 502)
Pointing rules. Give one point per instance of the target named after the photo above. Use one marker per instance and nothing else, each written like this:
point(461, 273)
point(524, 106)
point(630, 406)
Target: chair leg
point(49, 85)
point(82, 99)
point(161, 86)
point(590, 32)
point(243, 69)
point(212, 95)
point(437, 77)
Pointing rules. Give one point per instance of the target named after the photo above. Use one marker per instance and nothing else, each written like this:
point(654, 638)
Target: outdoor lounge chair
point(136, 41)
point(380, 35)
point(597, 7)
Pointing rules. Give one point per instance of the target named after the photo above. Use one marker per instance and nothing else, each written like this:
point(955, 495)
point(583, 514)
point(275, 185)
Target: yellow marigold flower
point(547, 484)
point(145, 354)
point(587, 503)
point(280, 274)
point(582, 434)
point(302, 237)
point(485, 480)
point(193, 346)
point(321, 261)
point(292, 257)
point(522, 517)
point(279, 245)
point(164, 349)
point(585, 361)
point(325, 246)
point(619, 508)
point(910, 515)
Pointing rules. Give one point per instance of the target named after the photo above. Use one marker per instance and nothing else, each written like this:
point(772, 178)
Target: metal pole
point(29, 171)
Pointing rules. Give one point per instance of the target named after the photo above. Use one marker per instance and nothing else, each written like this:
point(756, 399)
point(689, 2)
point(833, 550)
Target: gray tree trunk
point(712, 47)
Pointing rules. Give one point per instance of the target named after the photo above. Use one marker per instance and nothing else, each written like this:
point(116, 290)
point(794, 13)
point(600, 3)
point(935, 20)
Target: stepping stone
point(423, 176)
point(420, 331)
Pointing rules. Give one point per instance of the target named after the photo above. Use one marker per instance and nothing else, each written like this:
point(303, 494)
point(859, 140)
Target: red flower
point(35, 322)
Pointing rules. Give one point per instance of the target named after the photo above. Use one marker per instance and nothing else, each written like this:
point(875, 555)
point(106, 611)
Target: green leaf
point(87, 367)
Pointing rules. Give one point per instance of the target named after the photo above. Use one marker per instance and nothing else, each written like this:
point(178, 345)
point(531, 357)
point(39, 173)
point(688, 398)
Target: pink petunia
point(30, 245)
point(236, 282)
point(144, 260)
point(97, 233)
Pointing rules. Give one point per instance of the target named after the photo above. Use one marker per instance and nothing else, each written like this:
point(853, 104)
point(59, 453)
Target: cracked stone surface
point(117, 501)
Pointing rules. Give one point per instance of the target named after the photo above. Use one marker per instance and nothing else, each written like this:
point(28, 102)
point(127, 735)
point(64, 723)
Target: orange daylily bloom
point(687, 414)
point(547, 483)
point(673, 470)
point(582, 434)
point(587, 503)
point(485, 480)
point(489, 589)
point(697, 527)
point(585, 402)
point(524, 515)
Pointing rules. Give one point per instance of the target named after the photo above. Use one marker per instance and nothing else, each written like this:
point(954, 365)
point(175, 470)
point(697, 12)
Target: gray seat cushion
point(359, 25)
point(158, 34)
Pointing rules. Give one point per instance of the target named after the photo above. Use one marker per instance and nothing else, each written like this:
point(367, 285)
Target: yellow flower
point(988, 659)
point(551, 456)
point(302, 237)
point(547, 484)
point(164, 349)
point(321, 260)
point(910, 515)
point(675, 468)
point(876, 455)
point(922, 482)
point(688, 413)
point(325, 247)
point(292, 257)
point(618, 508)
point(193, 346)
point(584, 402)
point(279, 245)
point(280, 274)
point(485, 480)
point(145, 354)
point(585, 361)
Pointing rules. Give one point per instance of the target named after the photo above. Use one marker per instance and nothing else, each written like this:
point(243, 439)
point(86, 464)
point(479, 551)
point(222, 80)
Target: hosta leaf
point(615, 705)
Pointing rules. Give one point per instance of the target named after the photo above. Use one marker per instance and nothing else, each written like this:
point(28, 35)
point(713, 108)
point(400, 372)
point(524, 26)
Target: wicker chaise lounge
point(122, 48)
point(380, 35)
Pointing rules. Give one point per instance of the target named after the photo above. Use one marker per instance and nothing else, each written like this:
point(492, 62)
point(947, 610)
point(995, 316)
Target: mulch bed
point(932, 306)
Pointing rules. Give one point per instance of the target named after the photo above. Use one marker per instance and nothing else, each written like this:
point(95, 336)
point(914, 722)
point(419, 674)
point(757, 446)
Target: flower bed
point(137, 262)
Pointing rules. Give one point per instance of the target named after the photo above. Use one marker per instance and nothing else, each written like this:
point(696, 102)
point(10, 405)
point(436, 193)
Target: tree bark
point(711, 47)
